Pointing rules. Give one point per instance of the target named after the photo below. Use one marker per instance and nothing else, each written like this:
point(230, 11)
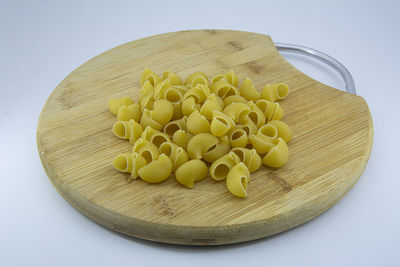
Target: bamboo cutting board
point(331, 144)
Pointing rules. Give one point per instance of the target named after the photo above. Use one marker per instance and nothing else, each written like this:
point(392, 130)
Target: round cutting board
point(331, 144)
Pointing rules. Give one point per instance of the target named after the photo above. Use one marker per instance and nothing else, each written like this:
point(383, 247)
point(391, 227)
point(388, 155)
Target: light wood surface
point(332, 141)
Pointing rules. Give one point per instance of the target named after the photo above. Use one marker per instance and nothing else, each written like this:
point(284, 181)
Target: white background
point(41, 42)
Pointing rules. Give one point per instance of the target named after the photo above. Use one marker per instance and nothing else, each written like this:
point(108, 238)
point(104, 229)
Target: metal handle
point(339, 67)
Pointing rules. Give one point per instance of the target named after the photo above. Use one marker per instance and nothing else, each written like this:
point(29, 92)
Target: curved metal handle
point(339, 67)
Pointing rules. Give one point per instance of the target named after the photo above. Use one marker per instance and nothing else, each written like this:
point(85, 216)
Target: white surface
point(42, 42)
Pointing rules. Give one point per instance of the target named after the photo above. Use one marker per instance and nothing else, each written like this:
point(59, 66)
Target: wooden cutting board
point(332, 141)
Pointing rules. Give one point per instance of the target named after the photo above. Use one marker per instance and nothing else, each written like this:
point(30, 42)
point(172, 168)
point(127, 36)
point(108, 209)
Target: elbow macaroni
point(176, 126)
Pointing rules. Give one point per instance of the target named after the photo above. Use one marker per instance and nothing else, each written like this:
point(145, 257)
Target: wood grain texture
point(332, 141)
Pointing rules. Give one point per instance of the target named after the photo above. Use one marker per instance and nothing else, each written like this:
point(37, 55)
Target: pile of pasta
point(195, 127)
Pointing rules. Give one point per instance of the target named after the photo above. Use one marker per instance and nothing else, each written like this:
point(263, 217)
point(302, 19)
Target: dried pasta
point(182, 126)
point(190, 172)
point(201, 143)
point(197, 123)
point(115, 103)
point(274, 92)
point(220, 168)
point(238, 179)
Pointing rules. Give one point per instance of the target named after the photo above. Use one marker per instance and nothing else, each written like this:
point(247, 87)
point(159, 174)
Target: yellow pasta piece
point(176, 153)
point(248, 125)
point(248, 91)
point(197, 123)
point(232, 78)
point(189, 105)
point(272, 111)
point(175, 125)
point(278, 155)
point(274, 92)
point(198, 92)
point(218, 78)
point(256, 114)
point(130, 130)
point(221, 124)
point(181, 138)
point(147, 120)
point(220, 168)
point(199, 144)
point(162, 112)
point(129, 162)
point(154, 136)
point(196, 78)
point(234, 99)
point(147, 101)
point(165, 90)
point(237, 111)
point(212, 103)
point(238, 137)
point(190, 172)
point(157, 171)
point(149, 75)
point(284, 130)
point(177, 111)
point(238, 179)
point(265, 138)
point(125, 113)
point(249, 157)
point(173, 77)
point(146, 89)
point(217, 151)
point(123, 162)
point(223, 89)
point(115, 103)
point(146, 149)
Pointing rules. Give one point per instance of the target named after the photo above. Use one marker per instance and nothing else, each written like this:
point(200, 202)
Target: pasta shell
point(256, 114)
point(197, 78)
point(248, 91)
point(220, 168)
point(175, 125)
point(146, 89)
point(249, 126)
point(197, 123)
point(238, 137)
point(238, 179)
point(130, 130)
point(198, 92)
point(147, 101)
point(212, 103)
point(249, 157)
point(154, 136)
point(138, 162)
point(147, 120)
point(234, 99)
point(237, 111)
point(274, 92)
point(278, 155)
point(272, 111)
point(200, 144)
point(146, 149)
point(232, 78)
point(189, 105)
point(173, 77)
point(149, 75)
point(181, 138)
point(123, 162)
point(217, 151)
point(221, 124)
point(190, 172)
point(284, 130)
point(125, 113)
point(176, 153)
point(223, 89)
point(162, 112)
point(265, 138)
point(115, 103)
point(156, 171)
